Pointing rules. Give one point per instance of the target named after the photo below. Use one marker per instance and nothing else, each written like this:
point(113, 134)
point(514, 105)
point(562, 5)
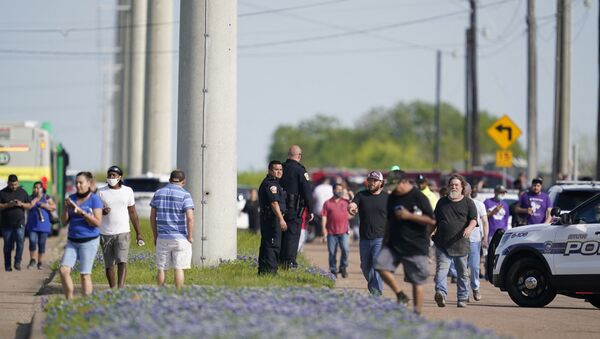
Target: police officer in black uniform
point(296, 183)
point(271, 198)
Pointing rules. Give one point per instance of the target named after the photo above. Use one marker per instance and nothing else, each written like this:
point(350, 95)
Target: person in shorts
point(118, 210)
point(406, 239)
point(83, 212)
point(172, 223)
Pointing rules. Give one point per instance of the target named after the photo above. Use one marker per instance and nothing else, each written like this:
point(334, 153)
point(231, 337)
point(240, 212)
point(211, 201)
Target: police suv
point(534, 263)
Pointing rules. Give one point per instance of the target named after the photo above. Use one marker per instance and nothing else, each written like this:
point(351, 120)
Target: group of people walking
point(398, 223)
point(99, 218)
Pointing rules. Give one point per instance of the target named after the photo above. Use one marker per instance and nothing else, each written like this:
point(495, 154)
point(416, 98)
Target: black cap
point(499, 188)
point(394, 178)
point(115, 169)
point(12, 178)
point(177, 176)
point(537, 180)
point(421, 179)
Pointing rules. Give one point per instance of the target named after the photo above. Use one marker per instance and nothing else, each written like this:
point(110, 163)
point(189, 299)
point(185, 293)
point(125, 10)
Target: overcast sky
point(300, 58)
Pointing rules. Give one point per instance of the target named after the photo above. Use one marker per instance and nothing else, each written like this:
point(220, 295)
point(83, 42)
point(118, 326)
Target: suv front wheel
point(528, 284)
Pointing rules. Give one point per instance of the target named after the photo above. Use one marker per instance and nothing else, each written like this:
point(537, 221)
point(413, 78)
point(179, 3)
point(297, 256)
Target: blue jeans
point(332, 243)
point(12, 235)
point(442, 266)
point(369, 249)
point(85, 252)
point(473, 260)
point(37, 240)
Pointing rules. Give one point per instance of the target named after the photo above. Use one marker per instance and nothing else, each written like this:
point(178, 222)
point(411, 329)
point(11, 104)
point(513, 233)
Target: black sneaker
point(18, 266)
point(344, 272)
point(39, 265)
point(31, 264)
point(8, 269)
point(334, 273)
point(402, 298)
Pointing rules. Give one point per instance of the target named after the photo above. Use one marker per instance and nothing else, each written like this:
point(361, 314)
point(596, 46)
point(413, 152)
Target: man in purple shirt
point(536, 204)
point(497, 211)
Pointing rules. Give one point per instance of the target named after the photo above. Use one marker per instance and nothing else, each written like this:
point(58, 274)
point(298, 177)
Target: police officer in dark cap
point(296, 184)
point(271, 198)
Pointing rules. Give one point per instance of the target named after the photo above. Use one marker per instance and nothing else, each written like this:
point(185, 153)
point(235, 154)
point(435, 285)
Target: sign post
point(505, 133)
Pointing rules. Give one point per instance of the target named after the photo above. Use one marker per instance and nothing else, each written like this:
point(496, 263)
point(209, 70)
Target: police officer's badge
point(306, 176)
point(273, 189)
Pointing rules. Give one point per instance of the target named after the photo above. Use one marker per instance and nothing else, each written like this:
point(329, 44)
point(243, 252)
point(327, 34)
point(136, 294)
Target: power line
point(367, 30)
point(285, 9)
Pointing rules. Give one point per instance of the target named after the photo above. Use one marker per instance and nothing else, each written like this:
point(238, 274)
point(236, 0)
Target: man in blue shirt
point(172, 223)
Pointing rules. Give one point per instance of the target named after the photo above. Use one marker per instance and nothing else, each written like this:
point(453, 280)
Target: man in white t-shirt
point(119, 209)
point(477, 239)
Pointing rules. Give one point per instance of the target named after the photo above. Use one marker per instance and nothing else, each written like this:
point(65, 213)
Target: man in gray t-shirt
point(456, 218)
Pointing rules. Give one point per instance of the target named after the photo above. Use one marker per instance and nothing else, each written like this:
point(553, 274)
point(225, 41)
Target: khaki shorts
point(175, 253)
point(115, 248)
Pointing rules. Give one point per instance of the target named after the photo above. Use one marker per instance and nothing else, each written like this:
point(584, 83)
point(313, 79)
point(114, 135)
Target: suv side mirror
point(555, 212)
point(566, 219)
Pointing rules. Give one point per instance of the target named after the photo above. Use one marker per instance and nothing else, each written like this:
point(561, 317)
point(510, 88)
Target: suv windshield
point(144, 184)
point(568, 200)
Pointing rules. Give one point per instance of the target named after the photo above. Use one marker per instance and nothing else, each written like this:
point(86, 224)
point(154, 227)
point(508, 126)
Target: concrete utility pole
point(135, 141)
point(438, 83)
point(532, 168)
point(126, 89)
point(206, 140)
point(562, 119)
point(157, 106)
point(598, 119)
point(475, 156)
point(119, 97)
point(468, 102)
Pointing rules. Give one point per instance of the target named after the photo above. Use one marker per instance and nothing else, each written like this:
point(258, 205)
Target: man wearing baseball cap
point(371, 206)
point(424, 187)
point(119, 210)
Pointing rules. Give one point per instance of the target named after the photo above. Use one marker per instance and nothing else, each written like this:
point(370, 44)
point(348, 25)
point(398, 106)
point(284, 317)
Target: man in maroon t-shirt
point(335, 229)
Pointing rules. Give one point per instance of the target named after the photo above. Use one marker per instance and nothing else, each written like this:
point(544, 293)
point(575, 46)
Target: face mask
point(338, 194)
point(112, 182)
point(501, 196)
point(83, 195)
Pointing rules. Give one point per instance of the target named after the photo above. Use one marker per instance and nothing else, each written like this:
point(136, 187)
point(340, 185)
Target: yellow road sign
point(504, 132)
point(504, 158)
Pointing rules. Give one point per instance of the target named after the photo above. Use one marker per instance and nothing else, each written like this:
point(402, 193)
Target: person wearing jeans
point(334, 219)
point(456, 218)
point(39, 225)
point(13, 203)
point(371, 206)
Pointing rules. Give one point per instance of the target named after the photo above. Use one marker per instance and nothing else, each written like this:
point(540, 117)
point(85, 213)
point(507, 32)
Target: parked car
point(143, 188)
point(534, 263)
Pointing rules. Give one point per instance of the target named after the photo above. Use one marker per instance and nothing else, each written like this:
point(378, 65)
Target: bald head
point(295, 153)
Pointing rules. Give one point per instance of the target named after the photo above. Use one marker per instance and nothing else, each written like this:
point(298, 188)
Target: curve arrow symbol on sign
point(501, 128)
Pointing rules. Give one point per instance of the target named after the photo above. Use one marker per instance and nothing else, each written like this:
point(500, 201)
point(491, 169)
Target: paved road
point(19, 297)
point(564, 317)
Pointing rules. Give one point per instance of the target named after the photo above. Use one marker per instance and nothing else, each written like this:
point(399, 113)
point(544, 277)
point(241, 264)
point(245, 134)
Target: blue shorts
point(84, 251)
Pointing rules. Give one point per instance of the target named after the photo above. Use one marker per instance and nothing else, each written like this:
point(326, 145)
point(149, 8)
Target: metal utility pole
point(532, 168)
point(158, 110)
point(468, 102)
point(562, 119)
point(206, 125)
point(438, 83)
point(135, 140)
point(475, 157)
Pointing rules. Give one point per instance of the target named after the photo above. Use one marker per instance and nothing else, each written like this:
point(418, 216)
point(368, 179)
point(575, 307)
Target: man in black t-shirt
point(371, 207)
point(13, 203)
point(406, 240)
point(456, 218)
